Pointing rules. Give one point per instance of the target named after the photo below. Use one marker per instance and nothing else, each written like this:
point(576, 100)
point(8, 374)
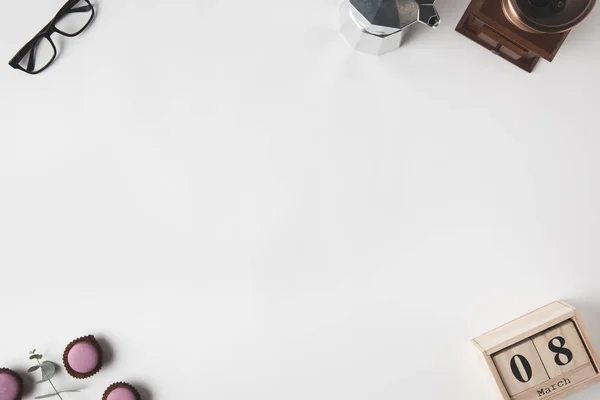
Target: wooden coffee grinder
point(522, 31)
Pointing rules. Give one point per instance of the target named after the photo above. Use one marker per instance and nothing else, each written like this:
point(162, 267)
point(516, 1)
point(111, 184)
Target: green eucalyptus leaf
point(33, 369)
point(48, 370)
point(48, 367)
point(35, 357)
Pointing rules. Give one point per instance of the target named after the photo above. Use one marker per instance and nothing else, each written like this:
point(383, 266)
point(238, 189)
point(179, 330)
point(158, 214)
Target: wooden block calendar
point(546, 354)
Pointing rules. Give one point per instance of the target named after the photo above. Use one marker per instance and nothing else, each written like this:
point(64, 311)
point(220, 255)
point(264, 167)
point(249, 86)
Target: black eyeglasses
point(40, 52)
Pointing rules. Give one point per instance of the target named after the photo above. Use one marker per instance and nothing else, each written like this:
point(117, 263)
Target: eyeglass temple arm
point(85, 8)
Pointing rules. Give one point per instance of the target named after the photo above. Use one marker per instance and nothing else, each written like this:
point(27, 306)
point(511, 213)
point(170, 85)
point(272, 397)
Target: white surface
point(246, 209)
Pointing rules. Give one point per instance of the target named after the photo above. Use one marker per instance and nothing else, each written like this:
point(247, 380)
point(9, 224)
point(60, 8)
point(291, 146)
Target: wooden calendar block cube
point(561, 349)
point(546, 354)
point(520, 367)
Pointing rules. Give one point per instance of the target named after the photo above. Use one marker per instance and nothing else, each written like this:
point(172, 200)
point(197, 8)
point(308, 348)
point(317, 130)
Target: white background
point(244, 208)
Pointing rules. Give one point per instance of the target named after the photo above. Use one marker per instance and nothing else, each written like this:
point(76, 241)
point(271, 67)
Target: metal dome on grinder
point(547, 16)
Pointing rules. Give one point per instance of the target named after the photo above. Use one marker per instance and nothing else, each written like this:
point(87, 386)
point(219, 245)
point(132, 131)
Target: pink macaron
point(82, 358)
point(121, 391)
point(11, 385)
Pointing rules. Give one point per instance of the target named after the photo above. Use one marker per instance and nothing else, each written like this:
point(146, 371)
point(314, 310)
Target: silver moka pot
point(377, 26)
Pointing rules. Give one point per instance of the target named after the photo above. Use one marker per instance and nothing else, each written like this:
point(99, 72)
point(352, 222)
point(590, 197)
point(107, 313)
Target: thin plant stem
point(49, 381)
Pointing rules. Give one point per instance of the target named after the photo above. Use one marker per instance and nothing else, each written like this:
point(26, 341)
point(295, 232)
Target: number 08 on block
point(545, 354)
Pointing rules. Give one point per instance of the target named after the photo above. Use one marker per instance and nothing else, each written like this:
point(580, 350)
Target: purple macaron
point(121, 391)
point(11, 385)
point(83, 357)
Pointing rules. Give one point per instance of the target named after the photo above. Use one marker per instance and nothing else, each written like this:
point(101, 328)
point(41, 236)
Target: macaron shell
point(10, 387)
point(121, 393)
point(83, 357)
